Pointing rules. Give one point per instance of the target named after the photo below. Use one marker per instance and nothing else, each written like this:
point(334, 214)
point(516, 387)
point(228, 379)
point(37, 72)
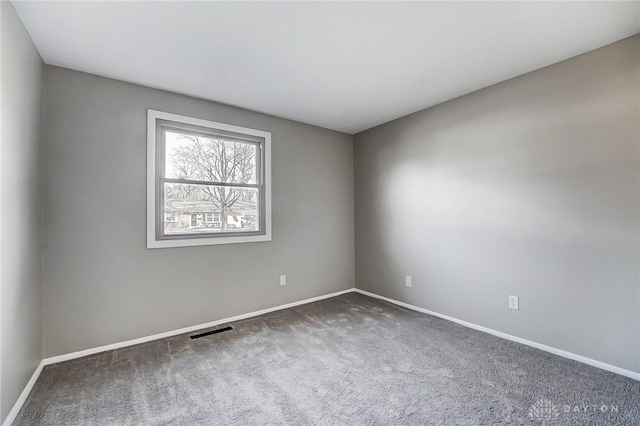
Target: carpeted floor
point(345, 360)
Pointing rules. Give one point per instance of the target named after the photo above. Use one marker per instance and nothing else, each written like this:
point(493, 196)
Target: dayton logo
point(544, 410)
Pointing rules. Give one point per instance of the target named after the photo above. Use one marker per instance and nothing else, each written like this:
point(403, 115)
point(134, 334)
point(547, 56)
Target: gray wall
point(21, 209)
point(103, 286)
point(530, 188)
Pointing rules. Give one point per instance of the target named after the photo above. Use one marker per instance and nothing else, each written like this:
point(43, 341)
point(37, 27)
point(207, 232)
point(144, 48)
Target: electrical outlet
point(283, 280)
point(408, 281)
point(514, 302)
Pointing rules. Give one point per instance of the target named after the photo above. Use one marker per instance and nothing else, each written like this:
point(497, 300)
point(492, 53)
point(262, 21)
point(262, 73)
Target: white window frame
point(152, 181)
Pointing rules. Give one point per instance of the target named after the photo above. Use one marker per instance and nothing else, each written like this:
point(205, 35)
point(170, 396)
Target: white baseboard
point(80, 354)
point(550, 349)
point(23, 396)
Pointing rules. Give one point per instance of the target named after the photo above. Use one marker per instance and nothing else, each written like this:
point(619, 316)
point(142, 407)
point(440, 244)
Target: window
point(216, 174)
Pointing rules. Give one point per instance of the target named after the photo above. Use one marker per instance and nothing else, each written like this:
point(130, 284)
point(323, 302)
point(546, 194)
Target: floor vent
point(209, 333)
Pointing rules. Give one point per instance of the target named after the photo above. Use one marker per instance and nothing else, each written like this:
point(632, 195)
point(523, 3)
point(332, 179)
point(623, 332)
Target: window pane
point(193, 157)
point(210, 209)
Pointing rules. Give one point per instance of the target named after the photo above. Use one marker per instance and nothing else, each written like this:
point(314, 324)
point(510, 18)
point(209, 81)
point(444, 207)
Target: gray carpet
point(345, 360)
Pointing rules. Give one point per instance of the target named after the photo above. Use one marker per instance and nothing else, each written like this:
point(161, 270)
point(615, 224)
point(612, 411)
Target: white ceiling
point(343, 66)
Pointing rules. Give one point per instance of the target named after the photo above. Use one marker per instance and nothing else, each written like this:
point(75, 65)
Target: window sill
point(192, 242)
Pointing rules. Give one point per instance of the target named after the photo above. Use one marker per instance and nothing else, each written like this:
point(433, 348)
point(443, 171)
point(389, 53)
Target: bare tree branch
point(214, 160)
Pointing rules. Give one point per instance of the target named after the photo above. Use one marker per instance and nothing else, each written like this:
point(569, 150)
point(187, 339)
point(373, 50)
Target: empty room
point(320, 213)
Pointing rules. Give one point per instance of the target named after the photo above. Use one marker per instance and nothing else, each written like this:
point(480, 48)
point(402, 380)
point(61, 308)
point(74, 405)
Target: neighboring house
point(200, 215)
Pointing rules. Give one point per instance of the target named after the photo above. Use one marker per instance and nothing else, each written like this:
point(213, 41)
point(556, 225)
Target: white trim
point(543, 347)
point(550, 349)
point(79, 354)
point(119, 345)
point(152, 116)
point(23, 396)
point(151, 179)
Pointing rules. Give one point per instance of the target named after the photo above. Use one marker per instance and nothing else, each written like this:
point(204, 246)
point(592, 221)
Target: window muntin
point(213, 180)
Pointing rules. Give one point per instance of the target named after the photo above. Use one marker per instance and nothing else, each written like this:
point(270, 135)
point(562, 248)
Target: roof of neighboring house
point(202, 206)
